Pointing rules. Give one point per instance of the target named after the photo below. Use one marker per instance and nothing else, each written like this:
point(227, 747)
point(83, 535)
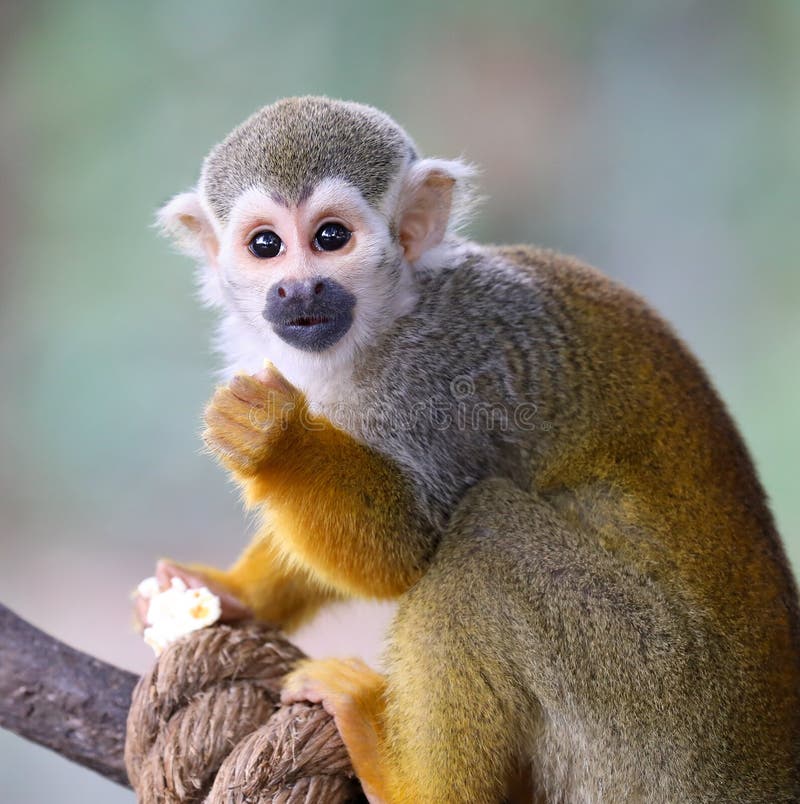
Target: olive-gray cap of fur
point(289, 147)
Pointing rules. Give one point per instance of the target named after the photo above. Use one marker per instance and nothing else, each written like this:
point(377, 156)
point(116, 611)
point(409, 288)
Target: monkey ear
point(186, 223)
point(432, 200)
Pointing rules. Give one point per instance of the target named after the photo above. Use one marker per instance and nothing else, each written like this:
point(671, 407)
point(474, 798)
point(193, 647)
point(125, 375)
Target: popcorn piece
point(148, 588)
point(176, 611)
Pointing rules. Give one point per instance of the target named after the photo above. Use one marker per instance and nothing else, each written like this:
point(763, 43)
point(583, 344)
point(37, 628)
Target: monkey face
point(319, 277)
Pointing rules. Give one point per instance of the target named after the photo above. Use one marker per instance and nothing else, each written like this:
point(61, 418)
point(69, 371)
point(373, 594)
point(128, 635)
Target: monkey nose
point(305, 291)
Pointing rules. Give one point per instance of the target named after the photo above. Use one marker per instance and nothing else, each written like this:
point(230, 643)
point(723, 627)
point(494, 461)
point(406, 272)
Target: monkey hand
point(194, 576)
point(246, 419)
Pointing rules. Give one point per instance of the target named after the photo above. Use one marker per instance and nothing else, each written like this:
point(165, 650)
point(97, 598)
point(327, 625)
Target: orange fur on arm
point(341, 509)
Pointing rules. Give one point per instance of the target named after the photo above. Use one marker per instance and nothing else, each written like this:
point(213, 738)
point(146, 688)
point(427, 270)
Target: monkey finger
point(248, 434)
point(333, 680)
point(270, 377)
point(235, 406)
point(262, 390)
point(249, 390)
point(260, 417)
point(232, 608)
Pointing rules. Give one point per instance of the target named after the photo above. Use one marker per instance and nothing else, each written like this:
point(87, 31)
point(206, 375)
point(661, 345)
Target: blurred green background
point(659, 141)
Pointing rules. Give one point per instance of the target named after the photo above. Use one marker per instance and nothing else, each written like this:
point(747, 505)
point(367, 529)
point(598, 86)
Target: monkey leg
point(527, 646)
point(456, 712)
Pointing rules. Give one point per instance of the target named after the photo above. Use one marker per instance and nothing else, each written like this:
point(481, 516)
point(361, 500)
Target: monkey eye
point(265, 244)
point(331, 237)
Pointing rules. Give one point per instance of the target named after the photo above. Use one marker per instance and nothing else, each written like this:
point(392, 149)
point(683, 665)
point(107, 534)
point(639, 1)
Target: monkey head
point(309, 221)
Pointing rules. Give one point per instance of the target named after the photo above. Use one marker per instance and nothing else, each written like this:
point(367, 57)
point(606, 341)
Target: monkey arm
point(341, 516)
point(344, 510)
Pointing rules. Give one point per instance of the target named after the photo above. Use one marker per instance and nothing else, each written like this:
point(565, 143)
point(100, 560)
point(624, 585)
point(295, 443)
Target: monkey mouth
point(308, 321)
point(314, 333)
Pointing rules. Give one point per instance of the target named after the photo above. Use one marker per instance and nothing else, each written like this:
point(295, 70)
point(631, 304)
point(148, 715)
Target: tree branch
point(63, 699)
point(78, 707)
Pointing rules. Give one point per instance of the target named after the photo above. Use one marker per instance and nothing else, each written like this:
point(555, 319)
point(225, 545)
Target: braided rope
point(205, 725)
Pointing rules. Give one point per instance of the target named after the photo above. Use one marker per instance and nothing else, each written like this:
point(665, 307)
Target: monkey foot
point(353, 694)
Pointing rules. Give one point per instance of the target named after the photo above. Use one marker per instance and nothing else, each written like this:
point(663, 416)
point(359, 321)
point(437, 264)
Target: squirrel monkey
point(594, 604)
